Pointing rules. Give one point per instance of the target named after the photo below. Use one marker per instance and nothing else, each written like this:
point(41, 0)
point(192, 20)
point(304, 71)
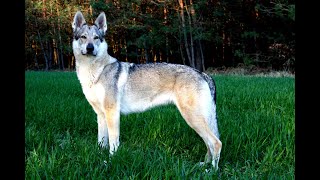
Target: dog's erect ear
point(78, 21)
point(101, 22)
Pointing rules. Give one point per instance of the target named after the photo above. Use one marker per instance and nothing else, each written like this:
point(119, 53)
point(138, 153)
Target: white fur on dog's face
point(88, 38)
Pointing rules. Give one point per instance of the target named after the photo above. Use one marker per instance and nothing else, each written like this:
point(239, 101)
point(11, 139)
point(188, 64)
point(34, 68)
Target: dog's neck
point(89, 68)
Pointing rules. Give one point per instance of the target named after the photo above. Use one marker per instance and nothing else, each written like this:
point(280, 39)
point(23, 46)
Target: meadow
point(256, 119)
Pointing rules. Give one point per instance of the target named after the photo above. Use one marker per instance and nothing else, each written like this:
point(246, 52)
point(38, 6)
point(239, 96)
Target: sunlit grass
point(256, 123)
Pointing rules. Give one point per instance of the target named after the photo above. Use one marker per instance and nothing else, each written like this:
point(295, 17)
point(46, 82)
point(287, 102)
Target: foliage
point(147, 31)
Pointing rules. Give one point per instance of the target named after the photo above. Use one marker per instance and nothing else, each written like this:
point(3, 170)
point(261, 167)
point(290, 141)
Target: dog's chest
point(94, 92)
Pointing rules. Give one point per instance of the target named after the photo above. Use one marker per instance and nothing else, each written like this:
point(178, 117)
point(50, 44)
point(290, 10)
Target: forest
point(202, 34)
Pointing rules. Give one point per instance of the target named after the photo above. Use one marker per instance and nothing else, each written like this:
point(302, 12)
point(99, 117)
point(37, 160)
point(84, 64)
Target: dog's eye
point(83, 37)
point(96, 37)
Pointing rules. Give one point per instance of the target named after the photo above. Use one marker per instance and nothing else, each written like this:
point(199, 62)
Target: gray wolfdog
point(113, 87)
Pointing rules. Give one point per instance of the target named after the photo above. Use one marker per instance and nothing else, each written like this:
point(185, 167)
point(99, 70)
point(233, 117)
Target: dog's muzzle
point(90, 48)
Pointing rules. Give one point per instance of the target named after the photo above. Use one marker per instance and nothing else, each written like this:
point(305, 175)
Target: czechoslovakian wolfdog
point(113, 87)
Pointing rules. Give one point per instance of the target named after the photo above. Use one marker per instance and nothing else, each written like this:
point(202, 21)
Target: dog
point(113, 87)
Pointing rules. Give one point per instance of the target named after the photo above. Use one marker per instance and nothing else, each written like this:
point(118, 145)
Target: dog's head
point(88, 38)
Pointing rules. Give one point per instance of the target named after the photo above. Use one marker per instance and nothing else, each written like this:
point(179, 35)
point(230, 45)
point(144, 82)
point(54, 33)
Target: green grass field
point(256, 117)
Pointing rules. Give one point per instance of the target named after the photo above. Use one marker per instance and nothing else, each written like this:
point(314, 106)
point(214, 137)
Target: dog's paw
point(204, 165)
point(208, 167)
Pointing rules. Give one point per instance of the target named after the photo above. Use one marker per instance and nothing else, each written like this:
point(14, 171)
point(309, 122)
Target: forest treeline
point(199, 33)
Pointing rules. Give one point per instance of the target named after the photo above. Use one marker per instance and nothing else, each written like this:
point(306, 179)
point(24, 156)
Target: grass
point(256, 124)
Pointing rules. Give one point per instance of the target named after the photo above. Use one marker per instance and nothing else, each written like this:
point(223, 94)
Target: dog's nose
point(90, 48)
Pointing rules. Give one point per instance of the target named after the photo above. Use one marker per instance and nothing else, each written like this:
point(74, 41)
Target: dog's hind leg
point(196, 109)
point(214, 145)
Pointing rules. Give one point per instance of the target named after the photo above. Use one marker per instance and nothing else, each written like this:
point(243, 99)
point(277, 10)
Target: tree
point(198, 33)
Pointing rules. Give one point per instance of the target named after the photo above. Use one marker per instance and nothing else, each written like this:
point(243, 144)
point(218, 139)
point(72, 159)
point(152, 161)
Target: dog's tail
point(213, 121)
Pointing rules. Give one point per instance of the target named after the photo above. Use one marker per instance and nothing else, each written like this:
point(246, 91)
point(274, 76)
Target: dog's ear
point(78, 21)
point(101, 22)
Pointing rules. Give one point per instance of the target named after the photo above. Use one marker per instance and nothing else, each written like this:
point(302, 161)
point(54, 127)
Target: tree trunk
point(49, 49)
point(146, 51)
point(59, 37)
point(61, 51)
point(199, 61)
point(56, 59)
point(202, 57)
point(181, 53)
point(165, 12)
point(35, 55)
point(191, 39)
point(42, 48)
point(46, 58)
point(223, 46)
point(184, 31)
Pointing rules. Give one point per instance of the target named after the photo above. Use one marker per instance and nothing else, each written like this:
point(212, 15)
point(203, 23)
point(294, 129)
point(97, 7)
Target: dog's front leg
point(102, 131)
point(113, 123)
point(102, 125)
